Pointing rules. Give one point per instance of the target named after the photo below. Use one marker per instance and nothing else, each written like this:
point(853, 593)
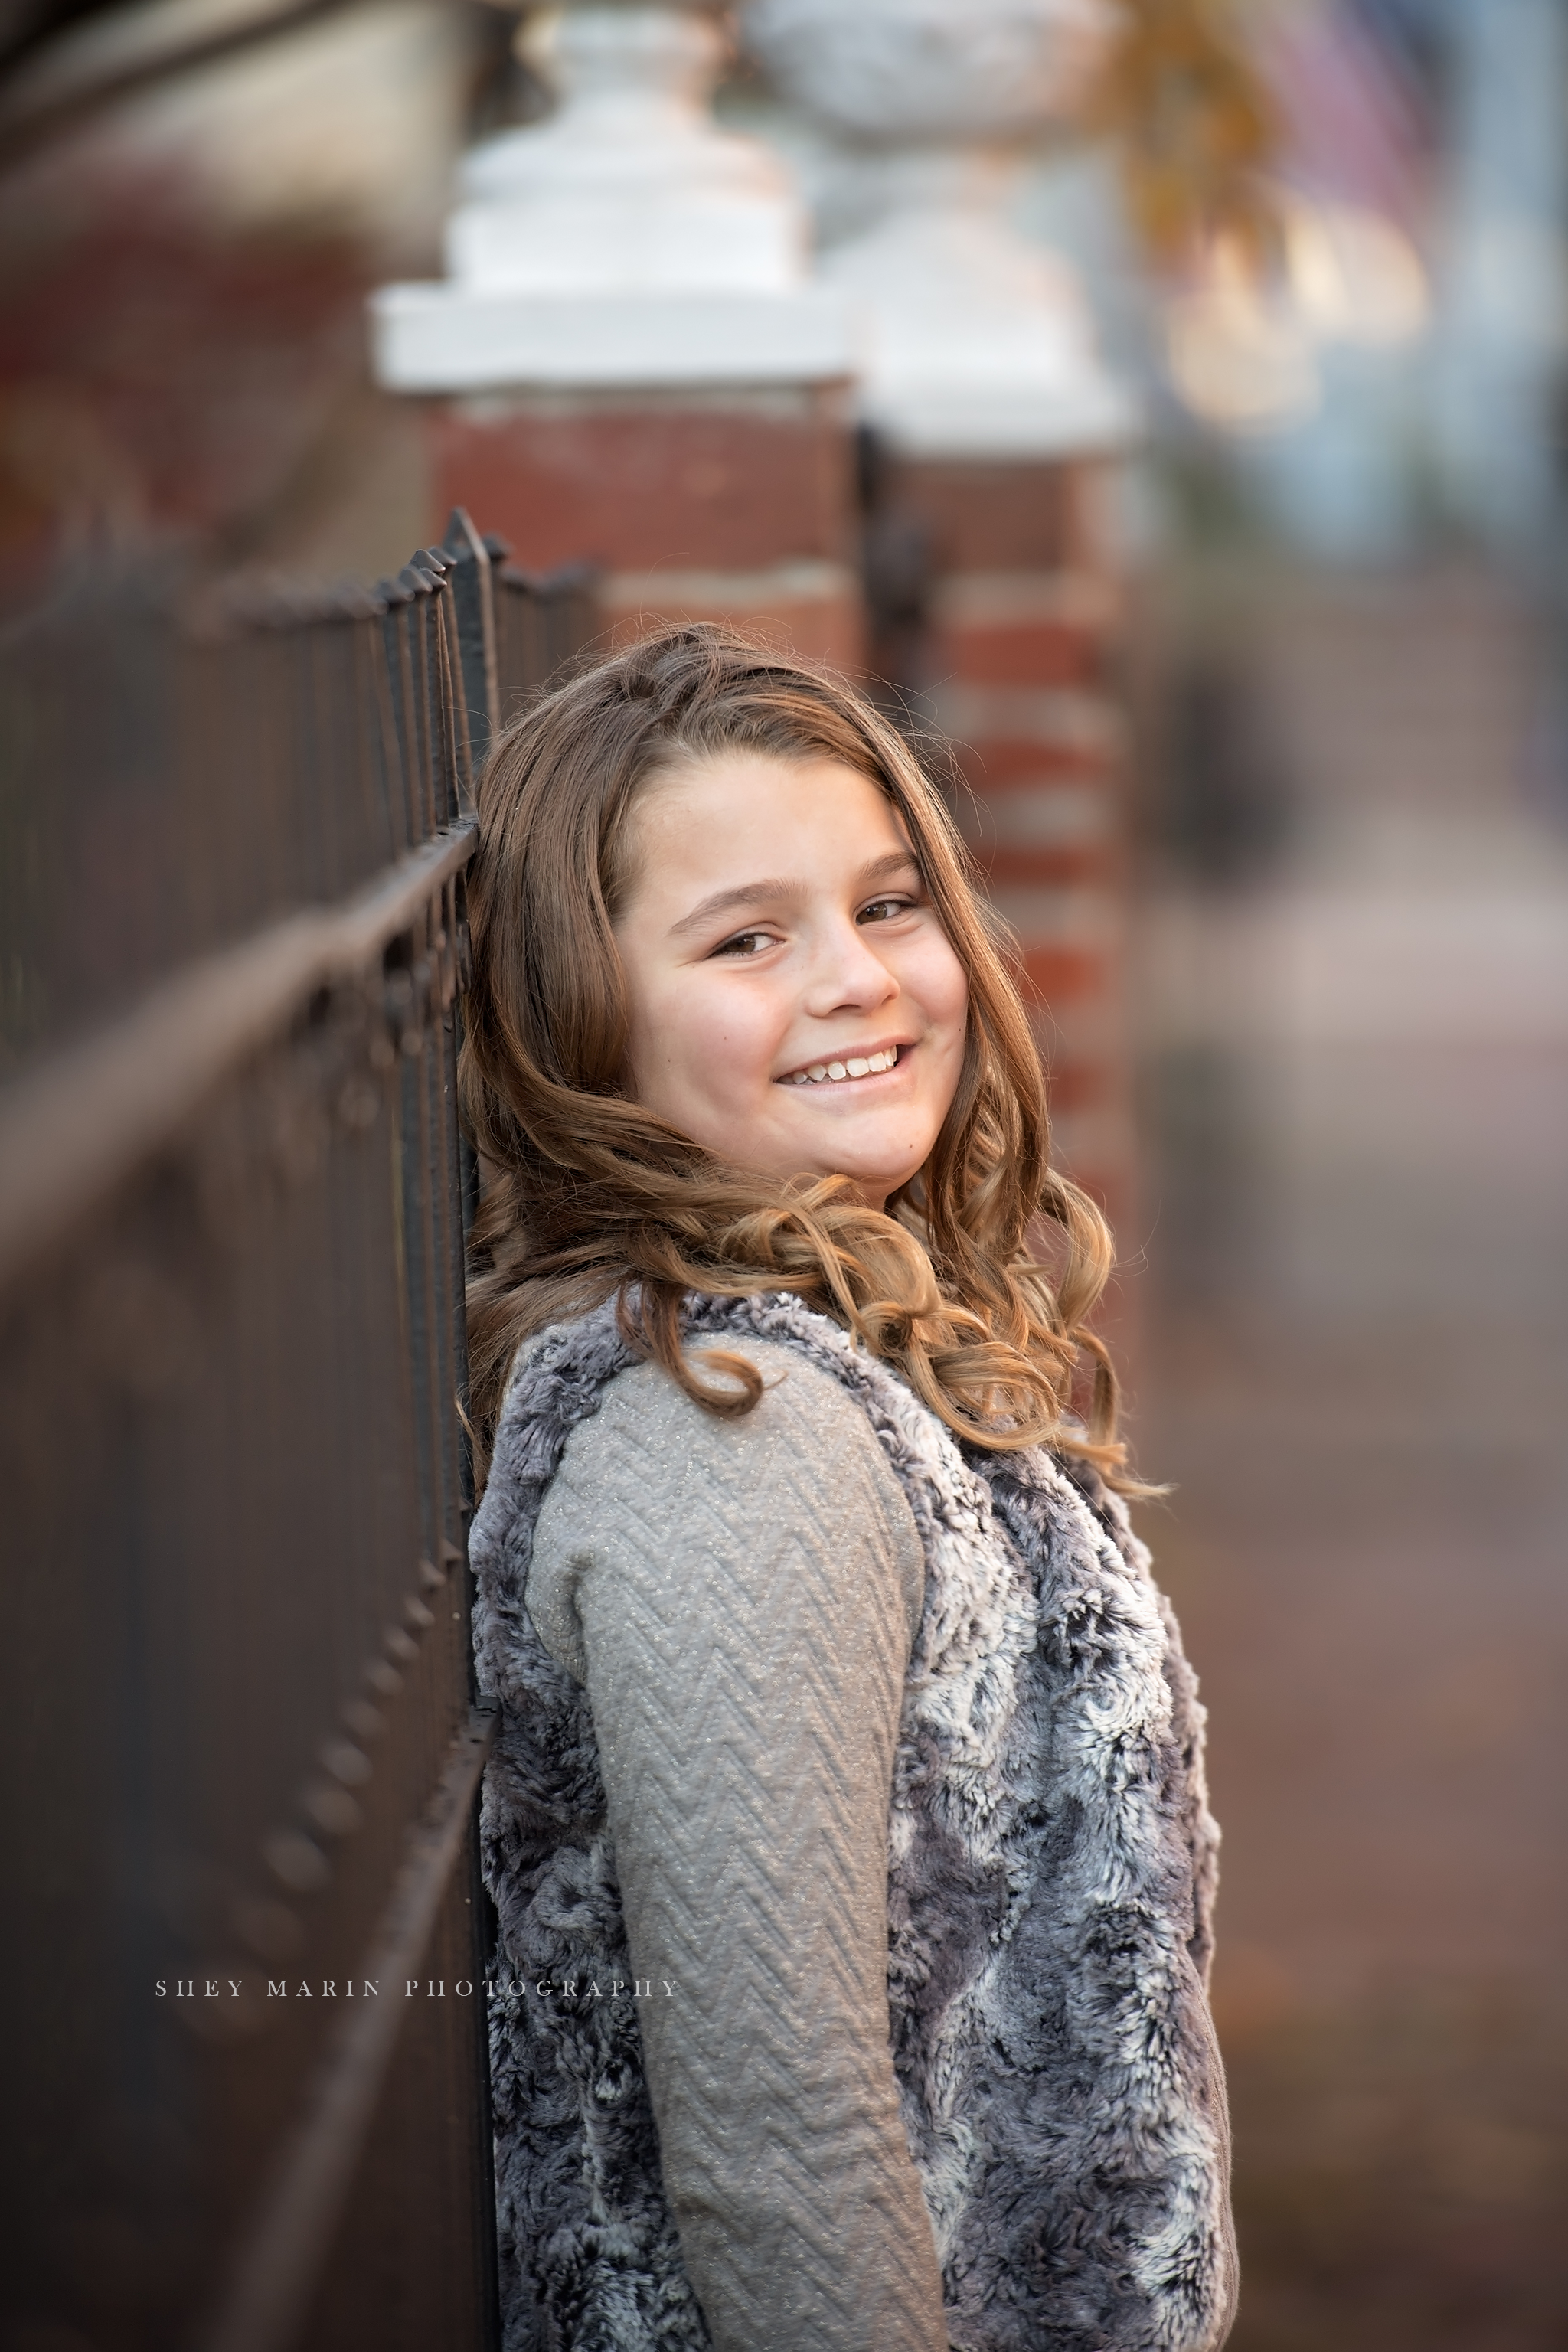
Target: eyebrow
point(774, 892)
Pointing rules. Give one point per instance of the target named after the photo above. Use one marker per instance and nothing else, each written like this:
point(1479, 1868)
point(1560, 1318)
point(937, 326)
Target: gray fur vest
point(1050, 1878)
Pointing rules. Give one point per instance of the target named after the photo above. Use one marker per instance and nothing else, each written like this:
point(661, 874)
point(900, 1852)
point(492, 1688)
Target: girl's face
point(796, 1006)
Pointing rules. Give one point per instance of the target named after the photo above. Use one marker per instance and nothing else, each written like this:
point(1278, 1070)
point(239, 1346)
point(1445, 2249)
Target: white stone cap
point(974, 342)
point(443, 336)
point(933, 421)
point(628, 241)
point(971, 342)
point(969, 346)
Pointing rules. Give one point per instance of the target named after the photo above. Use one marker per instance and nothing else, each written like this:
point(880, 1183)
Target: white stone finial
point(630, 186)
point(628, 239)
point(976, 341)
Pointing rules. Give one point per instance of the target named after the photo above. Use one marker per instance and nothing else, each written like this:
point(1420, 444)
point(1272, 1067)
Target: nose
point(847, 973)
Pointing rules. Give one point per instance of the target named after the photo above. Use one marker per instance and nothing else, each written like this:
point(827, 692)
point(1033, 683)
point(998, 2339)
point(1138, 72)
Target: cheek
point(708, 1041)
point(942, 987)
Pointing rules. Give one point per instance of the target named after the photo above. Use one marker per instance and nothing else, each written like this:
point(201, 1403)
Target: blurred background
point(1170, 401)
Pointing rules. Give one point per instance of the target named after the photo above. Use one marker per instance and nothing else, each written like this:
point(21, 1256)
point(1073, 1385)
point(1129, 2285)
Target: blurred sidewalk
point(1356, 1374)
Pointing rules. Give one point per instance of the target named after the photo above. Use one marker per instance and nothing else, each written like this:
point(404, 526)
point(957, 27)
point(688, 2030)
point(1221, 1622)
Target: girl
point(846, 1827)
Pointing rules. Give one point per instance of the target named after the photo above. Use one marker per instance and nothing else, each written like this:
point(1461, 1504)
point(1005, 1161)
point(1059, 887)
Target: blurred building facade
point(1349, 928)
point(193, 201)
point(1399, 377)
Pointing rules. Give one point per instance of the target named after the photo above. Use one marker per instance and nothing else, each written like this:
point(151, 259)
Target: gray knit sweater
point(853, 1897)
point(740, 1600)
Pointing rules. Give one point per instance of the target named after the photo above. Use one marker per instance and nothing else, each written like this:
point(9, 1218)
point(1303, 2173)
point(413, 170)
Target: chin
point(879, 1187)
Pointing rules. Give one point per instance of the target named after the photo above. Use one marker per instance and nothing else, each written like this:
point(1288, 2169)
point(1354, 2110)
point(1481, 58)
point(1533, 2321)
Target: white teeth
point(862, 1066)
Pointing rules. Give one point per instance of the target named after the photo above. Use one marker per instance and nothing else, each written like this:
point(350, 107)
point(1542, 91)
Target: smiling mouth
point(837, 1073)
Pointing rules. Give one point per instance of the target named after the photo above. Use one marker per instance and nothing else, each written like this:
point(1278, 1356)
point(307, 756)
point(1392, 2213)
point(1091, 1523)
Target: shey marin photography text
point(570, 1988)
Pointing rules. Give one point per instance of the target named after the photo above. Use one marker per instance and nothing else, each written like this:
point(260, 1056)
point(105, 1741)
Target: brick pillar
point(1018, 667)
point(992, 420)
point(701, 503)
point(628, 361)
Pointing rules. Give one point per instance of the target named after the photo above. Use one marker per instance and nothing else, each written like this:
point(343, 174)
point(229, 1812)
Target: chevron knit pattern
point(738, 1600)
point(1051, 1873)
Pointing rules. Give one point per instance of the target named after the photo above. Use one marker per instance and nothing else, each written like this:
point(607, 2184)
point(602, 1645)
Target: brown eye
point(746, 943)
point(882, 910)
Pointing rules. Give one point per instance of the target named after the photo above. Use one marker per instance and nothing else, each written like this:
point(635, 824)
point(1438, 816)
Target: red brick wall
point(1018, 663)
point(704, 506)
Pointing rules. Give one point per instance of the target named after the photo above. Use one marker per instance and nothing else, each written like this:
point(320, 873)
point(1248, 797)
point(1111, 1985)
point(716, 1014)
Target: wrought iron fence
point(243, 1975)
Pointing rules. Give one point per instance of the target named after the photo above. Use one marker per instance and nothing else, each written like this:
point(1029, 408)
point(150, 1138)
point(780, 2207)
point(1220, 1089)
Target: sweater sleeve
point(741, 1598)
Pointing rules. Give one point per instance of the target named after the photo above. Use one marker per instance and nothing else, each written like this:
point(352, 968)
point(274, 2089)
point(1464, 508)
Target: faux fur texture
point(1051, 1876)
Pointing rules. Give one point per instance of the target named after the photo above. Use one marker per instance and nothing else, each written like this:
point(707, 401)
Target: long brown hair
point(588, 1196)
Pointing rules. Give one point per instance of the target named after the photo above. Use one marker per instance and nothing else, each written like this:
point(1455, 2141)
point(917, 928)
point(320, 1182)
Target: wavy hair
point(587, 1195)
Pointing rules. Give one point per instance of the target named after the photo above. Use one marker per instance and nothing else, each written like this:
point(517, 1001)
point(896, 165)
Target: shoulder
point(798, 1395)
point(650, 1440)
point(652, 1477)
